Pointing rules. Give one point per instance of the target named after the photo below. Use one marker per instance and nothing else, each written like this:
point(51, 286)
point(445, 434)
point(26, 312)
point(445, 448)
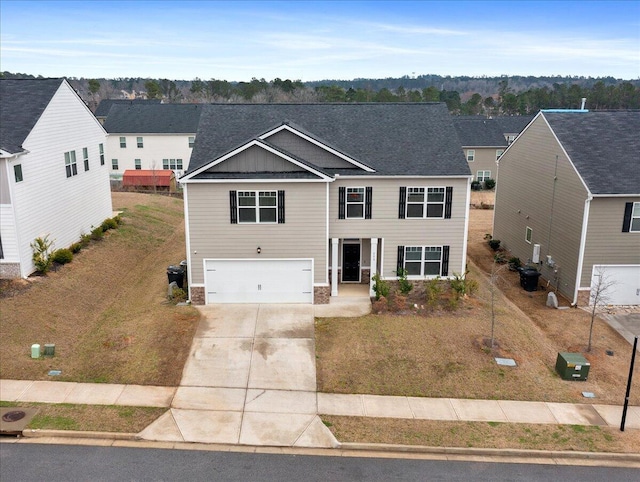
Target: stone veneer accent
point(197, 295)
point(321, 295)
point(9, 270)
point(365, 276)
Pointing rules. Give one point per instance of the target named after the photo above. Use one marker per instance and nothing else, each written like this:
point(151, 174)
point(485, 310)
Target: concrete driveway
point(625, 323)
point(250, 379)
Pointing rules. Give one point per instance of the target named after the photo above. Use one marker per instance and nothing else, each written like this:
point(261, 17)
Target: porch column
point(373, 266)
point(334, 266)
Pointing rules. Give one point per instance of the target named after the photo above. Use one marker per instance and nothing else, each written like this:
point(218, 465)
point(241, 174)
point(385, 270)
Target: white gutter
point(466, 229)
point(583, 242)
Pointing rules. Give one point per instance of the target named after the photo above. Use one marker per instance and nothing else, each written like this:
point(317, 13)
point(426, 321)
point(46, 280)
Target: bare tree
point(599, 296)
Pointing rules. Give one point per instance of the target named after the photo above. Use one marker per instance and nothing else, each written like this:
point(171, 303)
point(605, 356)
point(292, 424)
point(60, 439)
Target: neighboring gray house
point(482, 142)
point(285, 202)
point(151, 137)
point(569, 200)
point(512, 125)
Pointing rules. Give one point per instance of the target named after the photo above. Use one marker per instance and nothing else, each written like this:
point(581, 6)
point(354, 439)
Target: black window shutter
point(445, 261)
point(400, 265)
point(367, 202)
point(280, 207)
point(626, 221)
point(233, 204)
point(448, 198)
point(403, 200)
point(341, 201)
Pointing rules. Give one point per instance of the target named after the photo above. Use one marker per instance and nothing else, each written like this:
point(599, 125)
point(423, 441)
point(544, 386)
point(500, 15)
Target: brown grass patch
point(484, 435)
point(106, 311)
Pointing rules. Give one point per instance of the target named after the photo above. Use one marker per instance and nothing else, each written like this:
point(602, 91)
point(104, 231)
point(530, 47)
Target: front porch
point(353, 264)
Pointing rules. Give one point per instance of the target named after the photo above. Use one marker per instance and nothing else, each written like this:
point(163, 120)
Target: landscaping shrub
point(433, 290)
point(118, 219)
point(462, 285)
point(178, 295)
point(108, 224)
point(476, 186)
point(494, 244)
point(381, 287)
point(405, 285)
point(85, 239)
point(75, 248)
point(42, 249)
point(514, 263)
point(97, 233)
point(490, 184)
point(62, 256)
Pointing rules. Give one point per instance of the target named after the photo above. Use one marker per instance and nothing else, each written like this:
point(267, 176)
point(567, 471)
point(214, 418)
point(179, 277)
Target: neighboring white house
point(54, 179)
point(150, 137)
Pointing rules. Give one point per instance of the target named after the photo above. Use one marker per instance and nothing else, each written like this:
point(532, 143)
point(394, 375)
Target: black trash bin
point(529, 279)
point(176, 273)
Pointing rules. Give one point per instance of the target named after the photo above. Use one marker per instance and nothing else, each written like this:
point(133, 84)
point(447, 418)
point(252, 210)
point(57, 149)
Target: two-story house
point(102, 111)
point(482, 142)
point(151, 137)
point(286, 202)
point(569, 200)
point(53, 177)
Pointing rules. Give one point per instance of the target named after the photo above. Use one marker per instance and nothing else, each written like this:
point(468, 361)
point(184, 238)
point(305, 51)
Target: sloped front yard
point(106, 311)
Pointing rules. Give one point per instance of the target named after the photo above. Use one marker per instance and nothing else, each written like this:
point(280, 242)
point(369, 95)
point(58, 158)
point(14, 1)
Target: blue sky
point(311, 40)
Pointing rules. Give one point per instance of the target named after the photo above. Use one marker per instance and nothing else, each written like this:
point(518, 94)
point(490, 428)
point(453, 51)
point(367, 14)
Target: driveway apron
point(250, 379)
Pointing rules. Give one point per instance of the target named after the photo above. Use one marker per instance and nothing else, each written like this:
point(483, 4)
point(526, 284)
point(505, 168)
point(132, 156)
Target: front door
point(350, 262)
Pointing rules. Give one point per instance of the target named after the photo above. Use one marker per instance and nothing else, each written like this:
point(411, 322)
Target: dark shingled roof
point(394, 139)
point(478, 131)
point(105, 105)
point(603, 146)
point(153, 119)
point(513, 124)
point(22, 102)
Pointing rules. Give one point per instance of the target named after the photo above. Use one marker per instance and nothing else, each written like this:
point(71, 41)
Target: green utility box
point(572, 366)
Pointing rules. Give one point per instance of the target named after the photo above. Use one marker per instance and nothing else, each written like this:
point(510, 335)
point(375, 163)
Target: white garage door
point(625, 283)
point(259, 280)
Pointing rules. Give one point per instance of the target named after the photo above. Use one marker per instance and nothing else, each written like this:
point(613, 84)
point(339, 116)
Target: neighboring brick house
point(286, 202)
point(569, 200)
point(53, 177)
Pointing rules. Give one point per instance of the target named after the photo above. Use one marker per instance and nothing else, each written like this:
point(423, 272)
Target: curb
point(364, 447)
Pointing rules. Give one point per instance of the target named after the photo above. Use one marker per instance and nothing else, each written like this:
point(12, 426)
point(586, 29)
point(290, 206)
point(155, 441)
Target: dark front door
point(350, 262)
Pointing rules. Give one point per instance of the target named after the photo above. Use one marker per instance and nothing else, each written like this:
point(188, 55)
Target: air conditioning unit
point(535, 258)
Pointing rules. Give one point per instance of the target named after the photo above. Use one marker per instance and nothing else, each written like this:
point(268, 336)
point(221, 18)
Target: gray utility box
point(572, 366)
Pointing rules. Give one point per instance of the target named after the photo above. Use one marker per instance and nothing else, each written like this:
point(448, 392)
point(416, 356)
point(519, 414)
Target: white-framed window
point(425, 202)
point(123, 142)
point(17, 172)
point(138, 163)
point(101, 150)
point(528, 235)
point(511, 138)
point(172, 164)
point(482, 176)
point(114, 164)
point(471, 155)
point(85, 158)
point(70, 163)
point(140, 142)
point(635, 218)
point(499, 153)
point(192, 140)
point(355, 202)
point(423, 260)
point(257, 206)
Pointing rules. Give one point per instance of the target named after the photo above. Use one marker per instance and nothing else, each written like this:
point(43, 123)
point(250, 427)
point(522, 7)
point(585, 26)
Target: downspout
point(187, 237)
point(583, 242)
point(466, 228)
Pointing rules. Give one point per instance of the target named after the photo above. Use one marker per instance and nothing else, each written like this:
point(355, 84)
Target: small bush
point(433, 290)
point(178, 295)
point(462, 285)
point(490, 184)
point(85, 239)
point(381, 287)
point(499, 258)
point(514, 263)
point(75, 248)
point(494, 244)
point(62, 256)
point(405, 285)
point(108, 224)
point(476, 186)
point(42, 249)
point(97, 233)
point(118, 219)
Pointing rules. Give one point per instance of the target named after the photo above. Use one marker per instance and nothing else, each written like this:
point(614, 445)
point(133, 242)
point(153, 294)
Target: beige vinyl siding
point(485, 160)
point(303, 235)
point(385, 223)
point(255, 159)
point(606, 243)
point(306, 150)
point(524, 198)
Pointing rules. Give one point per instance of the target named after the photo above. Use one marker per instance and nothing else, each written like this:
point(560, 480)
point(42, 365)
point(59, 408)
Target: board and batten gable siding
point(304, 149)
point(46, 202)
point(485, 160)
point(606, 243)
point(156, 148)
point(525, 197)
point(385, 223)
point(211, 234)
point(255, 159)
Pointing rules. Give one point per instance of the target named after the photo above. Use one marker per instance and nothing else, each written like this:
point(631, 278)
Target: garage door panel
point(259, 281)
point(625, 283)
